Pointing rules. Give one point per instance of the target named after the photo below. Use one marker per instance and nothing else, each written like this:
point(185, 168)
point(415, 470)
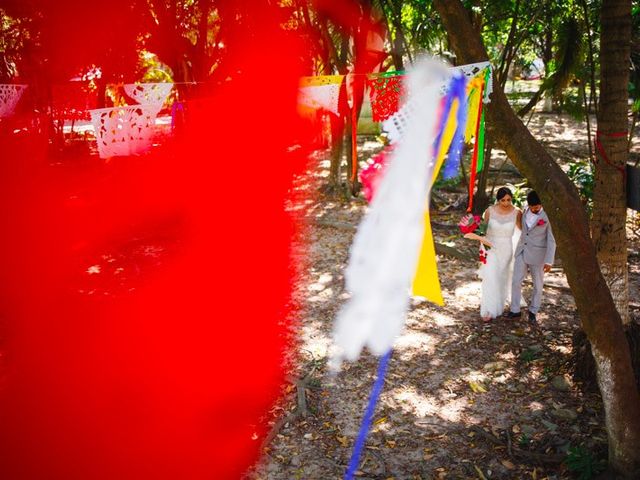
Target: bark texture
point(597, 311)
point(609, 196)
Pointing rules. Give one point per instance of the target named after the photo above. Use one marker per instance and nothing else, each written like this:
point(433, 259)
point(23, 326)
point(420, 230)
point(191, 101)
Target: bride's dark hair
point(502, 191)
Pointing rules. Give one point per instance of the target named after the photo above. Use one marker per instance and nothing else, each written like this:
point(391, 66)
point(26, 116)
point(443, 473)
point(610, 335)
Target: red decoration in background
point(145, 308)
point(385, 93)
point(372, 174)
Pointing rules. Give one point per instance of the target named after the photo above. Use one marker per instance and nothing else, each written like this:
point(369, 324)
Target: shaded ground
point(462, 399)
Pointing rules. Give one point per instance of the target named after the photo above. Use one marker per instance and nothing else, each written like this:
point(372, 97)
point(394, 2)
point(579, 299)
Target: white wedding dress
point(497, 271)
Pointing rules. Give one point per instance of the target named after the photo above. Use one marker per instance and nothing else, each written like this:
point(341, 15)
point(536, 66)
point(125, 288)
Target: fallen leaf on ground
point(477, 387)
point(508, 464)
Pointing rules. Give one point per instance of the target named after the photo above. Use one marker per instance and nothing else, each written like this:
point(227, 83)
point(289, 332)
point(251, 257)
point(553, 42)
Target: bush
point(583, 464)
point(581, 174)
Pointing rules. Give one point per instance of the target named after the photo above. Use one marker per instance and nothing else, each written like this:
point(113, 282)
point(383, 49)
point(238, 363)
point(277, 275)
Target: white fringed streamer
point(123, 131)
point(396, 124)
point(320, 96)
point(9, 96)
point(386, 247)
point(149, 93)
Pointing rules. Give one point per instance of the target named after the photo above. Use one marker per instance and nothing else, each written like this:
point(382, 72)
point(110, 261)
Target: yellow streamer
point(426, 282)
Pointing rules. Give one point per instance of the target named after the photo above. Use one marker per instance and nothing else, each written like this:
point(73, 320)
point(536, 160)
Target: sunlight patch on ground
point(324, 296)
point(314, 341)
point(565, 350)
point(475, 376)
point(469, 289)
point(536, 407)
point(321, 283)
point(442, 320)
point(415, 403)
point(412, 340)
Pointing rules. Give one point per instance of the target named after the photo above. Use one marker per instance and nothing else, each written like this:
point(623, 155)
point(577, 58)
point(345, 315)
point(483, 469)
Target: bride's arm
point(519, 219)
point(483, 240)
point(485, 215)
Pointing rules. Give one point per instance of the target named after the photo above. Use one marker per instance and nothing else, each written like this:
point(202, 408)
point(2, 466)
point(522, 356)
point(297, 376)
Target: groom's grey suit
point(536, 247)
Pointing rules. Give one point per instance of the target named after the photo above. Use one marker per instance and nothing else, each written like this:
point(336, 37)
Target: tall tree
point(596, 308)
point(609, 196)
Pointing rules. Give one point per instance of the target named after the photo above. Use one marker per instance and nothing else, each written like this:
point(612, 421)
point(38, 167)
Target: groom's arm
point(551, 247)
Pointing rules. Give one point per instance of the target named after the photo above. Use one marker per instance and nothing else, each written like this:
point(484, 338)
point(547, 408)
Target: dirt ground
point(462, 399)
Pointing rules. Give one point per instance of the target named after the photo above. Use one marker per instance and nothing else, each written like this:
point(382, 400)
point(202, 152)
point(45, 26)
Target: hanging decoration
point(149, 93)
point(478, 148)
point(371, 175)
point(9, 97)
point(385, 92)
point(474, 69)
point(321, 92)
point(123, 131)
point(386, 247)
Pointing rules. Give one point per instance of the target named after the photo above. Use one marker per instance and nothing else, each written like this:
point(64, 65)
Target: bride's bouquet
point(472, 224)
point(474, 228)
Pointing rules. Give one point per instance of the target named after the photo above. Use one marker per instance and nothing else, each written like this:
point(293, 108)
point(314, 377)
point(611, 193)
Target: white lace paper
point(123, 131)
point(386, 247)
point(149, 93)
point(320, 96)
point(9, 96)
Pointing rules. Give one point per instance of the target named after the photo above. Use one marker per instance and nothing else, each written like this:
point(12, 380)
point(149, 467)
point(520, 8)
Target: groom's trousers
point(537, 276)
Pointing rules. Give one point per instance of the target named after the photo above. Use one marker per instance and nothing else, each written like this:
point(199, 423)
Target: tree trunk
point(337, 143)
point(597, 311)
point(609, 196)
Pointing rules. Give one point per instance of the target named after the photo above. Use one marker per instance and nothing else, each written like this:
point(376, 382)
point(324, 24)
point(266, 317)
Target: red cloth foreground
point(144, 299)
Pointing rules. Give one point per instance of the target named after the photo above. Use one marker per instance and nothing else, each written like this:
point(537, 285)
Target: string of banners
point(387, 94)
point(128, 129)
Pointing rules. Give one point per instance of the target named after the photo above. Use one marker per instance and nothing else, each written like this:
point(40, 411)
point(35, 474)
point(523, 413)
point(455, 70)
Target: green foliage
point(581, 174)
point(572, 104)
point(583, 464)
point(154, 69)
point(528, 356)
point(519, 193)
point(524, 440)
point(15, 37)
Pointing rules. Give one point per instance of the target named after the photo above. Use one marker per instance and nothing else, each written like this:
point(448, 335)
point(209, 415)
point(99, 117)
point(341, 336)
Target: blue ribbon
point(368, 417)
point(457, 89)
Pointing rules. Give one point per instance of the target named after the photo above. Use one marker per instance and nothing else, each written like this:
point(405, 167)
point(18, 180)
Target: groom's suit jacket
point(537, 243)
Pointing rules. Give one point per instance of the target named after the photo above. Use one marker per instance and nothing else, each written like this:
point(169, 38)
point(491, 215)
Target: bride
point(497, 265)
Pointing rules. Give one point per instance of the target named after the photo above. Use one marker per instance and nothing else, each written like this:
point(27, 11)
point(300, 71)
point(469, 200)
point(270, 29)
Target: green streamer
point(480, 141)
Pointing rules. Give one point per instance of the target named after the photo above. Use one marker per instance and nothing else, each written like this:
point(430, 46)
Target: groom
point(535, 252)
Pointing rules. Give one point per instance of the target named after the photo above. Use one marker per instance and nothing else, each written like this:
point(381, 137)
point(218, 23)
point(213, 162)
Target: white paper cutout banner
point(123, 131)
point(9, 96)
point(149, 93)
point(320, 96)
point(386, 247)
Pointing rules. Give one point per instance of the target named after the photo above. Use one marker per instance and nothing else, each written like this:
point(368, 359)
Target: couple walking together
point(505, 267)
